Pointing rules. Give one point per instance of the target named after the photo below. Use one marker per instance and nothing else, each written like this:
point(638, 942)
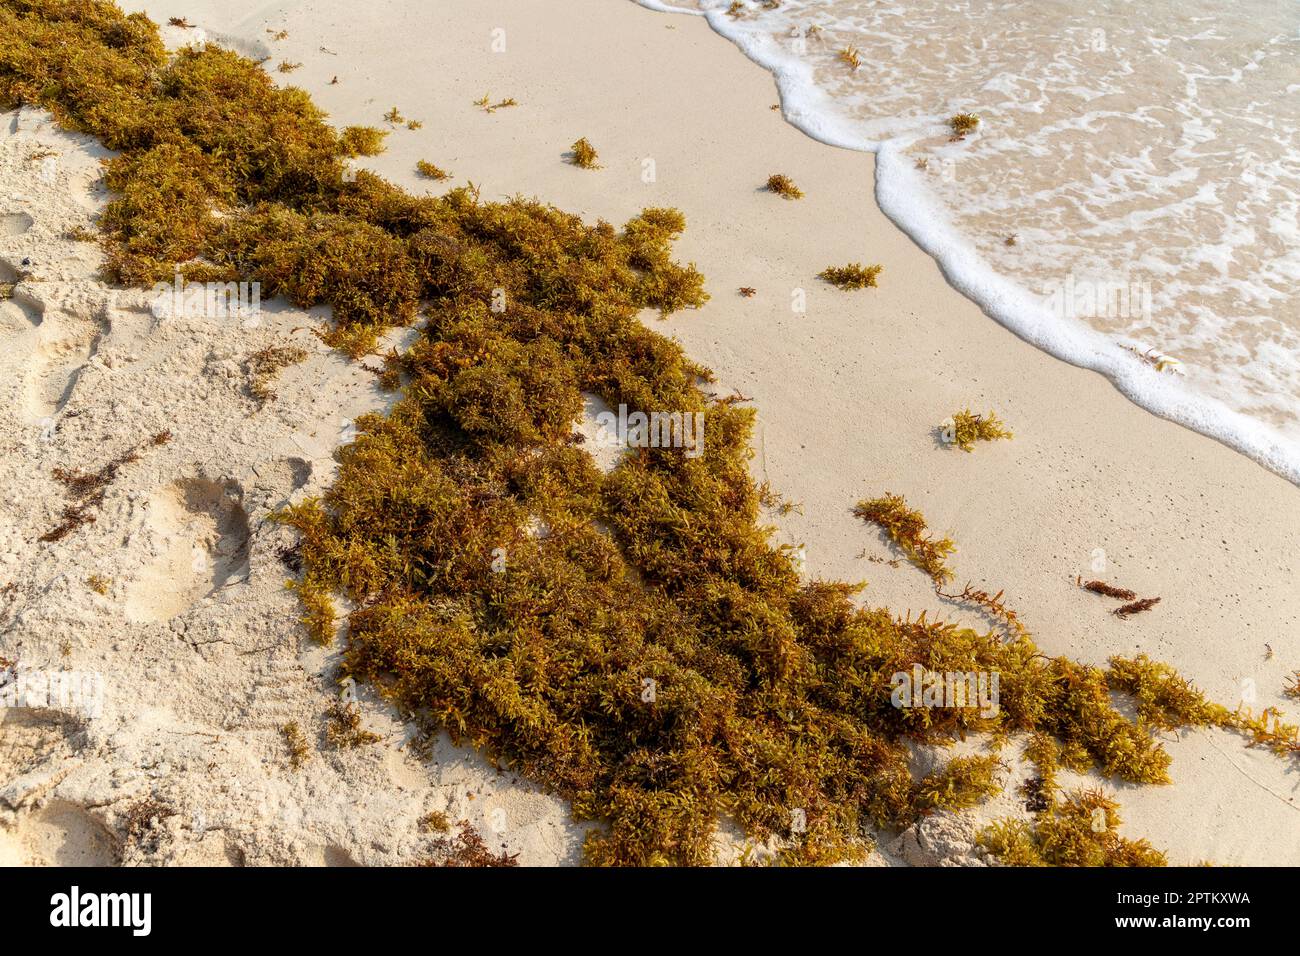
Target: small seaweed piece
point(1135, 607)
point(993, 605)
point(343, 727)
point(1159, 362)
point(87, 489)
point(1268, 729)
point(1109, 590)
point(435, 821)
point(296, 741)
point(852, 276)
point(1038, 790)
point(395, 116)
point(489, 107)
point(467, 848)
point(429, 171)
point(71, 518)
point(179, 22)
point(851, 56)
point(1293, 689)
point(291, 557)
point(83, 484)
point(142, 823)
point(968, 428)
point(783, 186)
point(288, 67)
point(278, 34)
point(98, 583)
point(584, 154)
point(265, 364)
point(773, 500)
point(907, 529)
point(963, 124)
point(747, 291)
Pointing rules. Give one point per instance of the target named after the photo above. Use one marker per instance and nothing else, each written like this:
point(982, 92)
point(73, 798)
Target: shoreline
point(847, 394)
point(903, 196)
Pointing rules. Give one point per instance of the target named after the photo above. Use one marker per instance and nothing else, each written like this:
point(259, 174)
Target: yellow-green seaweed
point(852, 276)
point(969, 427)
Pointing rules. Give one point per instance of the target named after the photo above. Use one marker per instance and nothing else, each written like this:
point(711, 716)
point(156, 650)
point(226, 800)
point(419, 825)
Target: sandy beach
point(850, 396)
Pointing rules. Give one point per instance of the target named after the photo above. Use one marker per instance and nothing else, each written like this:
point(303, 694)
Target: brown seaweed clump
point(1080, 830)
point(852, 276)
point(653, 657)
point(296, 742)
point(969, 427)
point(783, 186)
point(1135, 607)
point(1108, 590)
point(429, 171)
point(907, 529)
point(962, 124)
point(584, 154)
point(466, 847)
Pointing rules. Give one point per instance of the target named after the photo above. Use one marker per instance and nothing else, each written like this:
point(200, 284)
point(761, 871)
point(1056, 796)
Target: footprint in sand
point(14, 223)
point(201, 538)
point(64, 346)
point(59, 834)
point(18, 314)
point(31, 739)
point(57, 347)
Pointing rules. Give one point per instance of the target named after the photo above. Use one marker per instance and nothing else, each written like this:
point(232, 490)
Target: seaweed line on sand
point(653, 657)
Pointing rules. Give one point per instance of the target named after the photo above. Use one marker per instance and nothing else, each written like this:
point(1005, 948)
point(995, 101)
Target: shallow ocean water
point(1133, 187)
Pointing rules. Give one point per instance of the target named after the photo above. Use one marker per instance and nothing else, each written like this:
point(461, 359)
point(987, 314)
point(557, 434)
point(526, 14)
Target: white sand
point(205, 666)
point(196, 637)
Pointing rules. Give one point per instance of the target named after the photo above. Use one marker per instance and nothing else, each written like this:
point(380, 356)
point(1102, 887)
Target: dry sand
point(196, 636)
